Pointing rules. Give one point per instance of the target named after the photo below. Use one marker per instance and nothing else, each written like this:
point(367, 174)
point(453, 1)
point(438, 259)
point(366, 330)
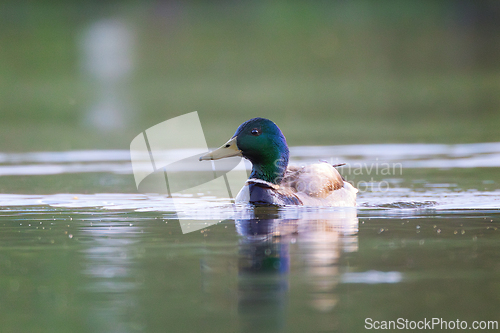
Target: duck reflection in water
point(264, 263)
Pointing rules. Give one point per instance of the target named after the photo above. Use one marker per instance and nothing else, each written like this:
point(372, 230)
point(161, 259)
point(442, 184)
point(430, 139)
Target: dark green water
point(78, 255)
point(89, 270)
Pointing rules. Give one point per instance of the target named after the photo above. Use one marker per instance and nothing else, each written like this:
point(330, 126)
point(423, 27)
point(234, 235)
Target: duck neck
point(271, 169)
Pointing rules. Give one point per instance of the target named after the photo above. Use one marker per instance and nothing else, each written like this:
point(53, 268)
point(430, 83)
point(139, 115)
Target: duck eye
point(255, 132)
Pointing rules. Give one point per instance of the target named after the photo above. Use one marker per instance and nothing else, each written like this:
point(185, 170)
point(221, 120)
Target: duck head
point(261, 142)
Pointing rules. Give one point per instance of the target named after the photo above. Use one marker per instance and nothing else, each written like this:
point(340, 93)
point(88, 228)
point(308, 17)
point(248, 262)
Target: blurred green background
point(92, 75)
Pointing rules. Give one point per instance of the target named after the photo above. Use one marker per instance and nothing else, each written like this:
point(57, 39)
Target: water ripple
point(409, 155)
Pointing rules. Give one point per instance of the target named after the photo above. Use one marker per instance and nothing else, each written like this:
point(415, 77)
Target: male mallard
point(261, 142)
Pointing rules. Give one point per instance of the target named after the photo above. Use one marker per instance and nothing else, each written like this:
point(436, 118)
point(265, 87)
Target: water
point(82, 251)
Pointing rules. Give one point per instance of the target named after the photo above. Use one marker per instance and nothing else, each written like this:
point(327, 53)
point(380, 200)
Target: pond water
point(82, 251)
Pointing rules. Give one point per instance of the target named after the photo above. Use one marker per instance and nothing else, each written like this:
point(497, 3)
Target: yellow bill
point(229, 149)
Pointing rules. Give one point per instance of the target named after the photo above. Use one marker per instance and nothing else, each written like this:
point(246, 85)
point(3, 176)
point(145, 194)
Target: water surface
point(82, 251)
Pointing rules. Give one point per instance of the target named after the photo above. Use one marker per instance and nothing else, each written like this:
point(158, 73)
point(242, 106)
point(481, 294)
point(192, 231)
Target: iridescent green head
point(261, 142)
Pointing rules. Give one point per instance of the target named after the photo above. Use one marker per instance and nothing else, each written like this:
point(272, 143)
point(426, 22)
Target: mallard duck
point(272, 181)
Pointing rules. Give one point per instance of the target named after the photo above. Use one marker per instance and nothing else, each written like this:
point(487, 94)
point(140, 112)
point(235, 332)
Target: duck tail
point(333, 165)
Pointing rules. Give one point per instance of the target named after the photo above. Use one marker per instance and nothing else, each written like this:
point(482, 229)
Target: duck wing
point(316, 180)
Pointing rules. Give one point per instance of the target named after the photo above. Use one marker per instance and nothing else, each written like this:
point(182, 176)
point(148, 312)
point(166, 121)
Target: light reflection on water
point(471, 155)
point(264, 264)
point(107, 267)
point(118, 262)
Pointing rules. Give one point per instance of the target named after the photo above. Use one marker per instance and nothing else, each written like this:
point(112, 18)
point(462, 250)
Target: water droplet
point(381, 230)
point(462, 232)
point(70, 236)
point(267, 252)
point(421, 242)
point(418, 227)
point(455, 232)
point(438, 231)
